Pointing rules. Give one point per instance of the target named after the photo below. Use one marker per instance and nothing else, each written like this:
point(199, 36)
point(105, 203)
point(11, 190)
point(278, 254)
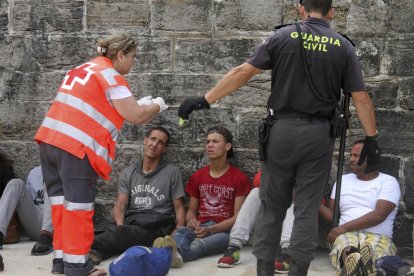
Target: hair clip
point(101, 50)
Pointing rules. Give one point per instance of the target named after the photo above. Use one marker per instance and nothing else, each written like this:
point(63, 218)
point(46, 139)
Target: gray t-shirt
point(153, 192)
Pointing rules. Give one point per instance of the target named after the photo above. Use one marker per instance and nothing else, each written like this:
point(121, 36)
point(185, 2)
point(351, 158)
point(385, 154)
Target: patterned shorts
point(381, 245)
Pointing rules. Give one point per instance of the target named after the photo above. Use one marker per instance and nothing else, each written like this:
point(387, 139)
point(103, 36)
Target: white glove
point(160, 101)
point(147, 100)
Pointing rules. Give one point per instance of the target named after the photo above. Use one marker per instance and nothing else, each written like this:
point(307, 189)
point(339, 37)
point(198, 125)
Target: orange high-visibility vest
point(81, 119)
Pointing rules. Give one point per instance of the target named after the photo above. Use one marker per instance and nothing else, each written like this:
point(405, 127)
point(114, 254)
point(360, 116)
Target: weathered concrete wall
point(185, 47)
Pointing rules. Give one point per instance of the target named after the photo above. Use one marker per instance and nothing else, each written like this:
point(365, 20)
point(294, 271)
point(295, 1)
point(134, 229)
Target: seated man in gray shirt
point(149, 203)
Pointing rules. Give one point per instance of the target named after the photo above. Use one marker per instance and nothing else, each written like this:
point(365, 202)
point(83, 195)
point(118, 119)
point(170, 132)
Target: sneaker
point(231, 257)
point(43, 246)
point(95, 256)
point(57, 267)
point(282, 263)
point(167, 241)
point(352, 265)
point(368, 263)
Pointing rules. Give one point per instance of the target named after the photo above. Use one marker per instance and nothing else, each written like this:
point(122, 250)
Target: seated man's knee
point(15, 183)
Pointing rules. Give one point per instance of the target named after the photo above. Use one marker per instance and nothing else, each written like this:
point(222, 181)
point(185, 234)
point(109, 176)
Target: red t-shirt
point(217, 195)
point(256, 180)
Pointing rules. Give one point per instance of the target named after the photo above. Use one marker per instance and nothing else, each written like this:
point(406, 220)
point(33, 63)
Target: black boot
point(298, 268)
point(265, 268)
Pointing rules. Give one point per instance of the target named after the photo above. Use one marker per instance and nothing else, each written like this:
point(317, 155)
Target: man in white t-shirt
point(368, 206)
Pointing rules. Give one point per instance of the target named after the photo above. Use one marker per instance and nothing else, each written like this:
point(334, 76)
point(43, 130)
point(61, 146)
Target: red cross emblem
point(80, 74)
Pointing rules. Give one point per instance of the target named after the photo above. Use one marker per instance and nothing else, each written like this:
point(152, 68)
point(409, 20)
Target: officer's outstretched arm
point(233, 80)
point(365, 110)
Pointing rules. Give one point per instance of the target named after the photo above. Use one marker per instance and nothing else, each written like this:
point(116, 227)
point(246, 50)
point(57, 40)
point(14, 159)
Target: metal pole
point(340, 163)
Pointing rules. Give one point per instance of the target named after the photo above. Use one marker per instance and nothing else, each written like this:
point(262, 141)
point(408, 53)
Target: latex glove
point(144, 101)
point(371, 152)
point(160, 101)
point(190, 104)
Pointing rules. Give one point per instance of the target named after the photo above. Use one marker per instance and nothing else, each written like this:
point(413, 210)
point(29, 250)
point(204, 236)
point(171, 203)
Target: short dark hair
point(159, 128)
point(322, 6)
point(360, 141)
point(228, 137)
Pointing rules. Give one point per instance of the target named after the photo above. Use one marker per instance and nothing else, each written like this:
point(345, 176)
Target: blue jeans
point(192, 248)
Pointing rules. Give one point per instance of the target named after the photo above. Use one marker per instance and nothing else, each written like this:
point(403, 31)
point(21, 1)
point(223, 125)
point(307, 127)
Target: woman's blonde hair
point(110, 46)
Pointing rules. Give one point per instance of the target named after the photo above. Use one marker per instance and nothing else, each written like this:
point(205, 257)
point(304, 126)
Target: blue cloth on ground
point(142, 261)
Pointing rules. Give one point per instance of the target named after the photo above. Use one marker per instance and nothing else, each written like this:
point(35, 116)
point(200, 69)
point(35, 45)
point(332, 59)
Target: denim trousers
point(192, 248)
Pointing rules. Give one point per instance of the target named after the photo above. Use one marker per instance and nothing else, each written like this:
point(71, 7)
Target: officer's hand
point(371, 152)
point(147, 100)
point(160, 101)
point(190, 104)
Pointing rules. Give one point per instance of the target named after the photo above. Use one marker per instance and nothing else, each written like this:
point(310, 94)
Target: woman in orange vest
point(77, 144)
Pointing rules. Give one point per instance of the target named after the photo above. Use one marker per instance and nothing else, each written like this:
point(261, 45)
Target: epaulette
point(347, 38)
point(281, 26)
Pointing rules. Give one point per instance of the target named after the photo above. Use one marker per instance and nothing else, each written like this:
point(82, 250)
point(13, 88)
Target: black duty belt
point(296, 114)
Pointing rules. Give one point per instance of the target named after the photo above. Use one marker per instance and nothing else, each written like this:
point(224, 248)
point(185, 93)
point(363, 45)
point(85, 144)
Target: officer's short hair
point(322, 6)
point(228, 137)
point(159, 128)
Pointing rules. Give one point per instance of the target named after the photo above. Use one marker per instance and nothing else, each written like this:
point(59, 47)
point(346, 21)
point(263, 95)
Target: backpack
point(142, 261)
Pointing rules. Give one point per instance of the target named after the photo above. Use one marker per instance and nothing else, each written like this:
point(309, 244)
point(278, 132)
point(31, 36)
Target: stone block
point(212, 56)
point(15, 54)
point(408, 172)
point(383, 92)
point(390, 165)
point(403, 234)
point(60, 52)
point(399, 16)
point(397, 131)
point(19, 120)
point(153, 54)
point(43, 16)
point(358, 21)
point(173, 87)
point(368, 51)
point(407, 94)
point(182, 16)
point(399, 55)
point(246, 15)
point(32, 86)
point(23, 153)
point(118, 15)
point(4, 15)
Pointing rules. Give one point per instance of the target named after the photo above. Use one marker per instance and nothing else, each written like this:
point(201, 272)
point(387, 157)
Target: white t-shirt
point(118, 92)
point(360, 197)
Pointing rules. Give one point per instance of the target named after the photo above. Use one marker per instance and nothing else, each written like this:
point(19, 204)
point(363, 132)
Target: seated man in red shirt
point(217, 193)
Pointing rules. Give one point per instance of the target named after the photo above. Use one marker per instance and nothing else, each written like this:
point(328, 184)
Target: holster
point(337, 122)
point(264, 133)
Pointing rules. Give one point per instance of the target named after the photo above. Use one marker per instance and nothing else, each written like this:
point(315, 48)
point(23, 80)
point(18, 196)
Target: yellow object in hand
point(181, 121)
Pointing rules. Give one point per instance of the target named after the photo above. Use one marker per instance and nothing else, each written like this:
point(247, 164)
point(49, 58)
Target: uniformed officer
point(299, 149)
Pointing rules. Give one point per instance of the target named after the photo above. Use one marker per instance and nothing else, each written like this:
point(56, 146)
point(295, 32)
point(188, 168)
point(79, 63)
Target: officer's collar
point(317, 21)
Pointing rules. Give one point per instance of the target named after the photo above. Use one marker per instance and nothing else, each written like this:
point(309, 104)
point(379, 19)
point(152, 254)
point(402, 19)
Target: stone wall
point(185, 46)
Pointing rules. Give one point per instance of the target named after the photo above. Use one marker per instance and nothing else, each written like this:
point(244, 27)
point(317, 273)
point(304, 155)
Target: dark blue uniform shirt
point(332, 64)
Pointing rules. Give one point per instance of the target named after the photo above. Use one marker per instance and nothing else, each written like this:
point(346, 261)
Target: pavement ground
point(19, 262)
